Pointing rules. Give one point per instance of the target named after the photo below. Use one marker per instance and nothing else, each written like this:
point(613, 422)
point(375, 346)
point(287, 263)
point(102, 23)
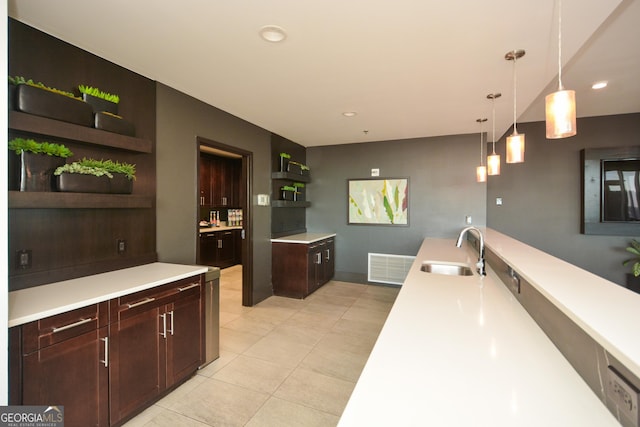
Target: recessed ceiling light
point(599, 85)
point(349, 113)
point(273, 33)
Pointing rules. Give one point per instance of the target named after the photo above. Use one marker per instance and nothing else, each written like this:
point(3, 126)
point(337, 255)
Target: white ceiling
point(409, 68)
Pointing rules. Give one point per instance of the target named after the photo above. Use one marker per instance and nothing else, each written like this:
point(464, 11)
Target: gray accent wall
point(542, 196)
point(442, 191)
point(180, 119)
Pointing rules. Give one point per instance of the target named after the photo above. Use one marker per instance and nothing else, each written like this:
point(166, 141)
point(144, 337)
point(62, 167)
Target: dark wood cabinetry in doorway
point(219, 182)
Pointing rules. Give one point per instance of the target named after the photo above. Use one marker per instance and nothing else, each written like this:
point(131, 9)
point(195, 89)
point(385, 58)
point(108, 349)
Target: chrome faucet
point(480, 264)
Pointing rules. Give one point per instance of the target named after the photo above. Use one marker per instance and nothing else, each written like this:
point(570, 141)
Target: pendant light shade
point(515, 142)
point(560, 111)
point(481, 171)
point(560, 106)
point(493, 160)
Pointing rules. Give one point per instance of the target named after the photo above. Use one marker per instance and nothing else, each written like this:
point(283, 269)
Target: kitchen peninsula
point(462, 350)
point(107, 345)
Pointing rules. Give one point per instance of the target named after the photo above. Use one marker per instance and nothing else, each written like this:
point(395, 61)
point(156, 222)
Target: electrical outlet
point(468, 220)
point(624, 395)
point(122, 246)
point(375, 172)
point(23, 259)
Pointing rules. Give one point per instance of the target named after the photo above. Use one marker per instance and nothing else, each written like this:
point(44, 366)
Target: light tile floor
point(283, 362)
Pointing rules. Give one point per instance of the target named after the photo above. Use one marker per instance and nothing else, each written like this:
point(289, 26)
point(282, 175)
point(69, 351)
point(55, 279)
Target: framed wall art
point(378, 201)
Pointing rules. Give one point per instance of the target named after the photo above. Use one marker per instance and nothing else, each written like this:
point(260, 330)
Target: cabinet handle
point(328, 258)
point(171, 322)
point(72, 325)
point(319, 258)
point(139, 303)
point(191, 286)
point(224, 201)
point(164, 326)
point(106, 352)
point(219, 244)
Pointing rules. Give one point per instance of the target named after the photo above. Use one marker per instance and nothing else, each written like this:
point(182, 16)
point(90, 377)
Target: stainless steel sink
point(446, 268)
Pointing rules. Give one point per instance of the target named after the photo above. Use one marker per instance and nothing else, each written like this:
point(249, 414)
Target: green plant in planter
point(94, 91)
point(128, 169)
point(19, 80)
point(76, 167)
point(634, 248)
point(20, 145)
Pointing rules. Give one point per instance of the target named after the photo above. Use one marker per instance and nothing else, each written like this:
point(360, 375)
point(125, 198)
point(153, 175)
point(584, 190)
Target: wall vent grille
point(387, 268)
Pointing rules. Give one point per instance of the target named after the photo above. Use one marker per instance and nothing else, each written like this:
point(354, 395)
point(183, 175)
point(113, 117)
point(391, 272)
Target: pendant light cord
point(515, 93)
point(560, 87)
point(481, 156)
point(493, 122)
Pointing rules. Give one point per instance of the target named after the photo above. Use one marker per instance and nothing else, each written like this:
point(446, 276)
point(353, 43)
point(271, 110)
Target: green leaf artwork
point(378, 201)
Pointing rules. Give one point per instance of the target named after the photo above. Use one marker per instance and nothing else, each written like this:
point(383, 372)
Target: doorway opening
point(207, 147)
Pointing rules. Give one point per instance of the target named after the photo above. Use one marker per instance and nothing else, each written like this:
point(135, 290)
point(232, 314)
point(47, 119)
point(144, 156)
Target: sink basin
point(447, 268)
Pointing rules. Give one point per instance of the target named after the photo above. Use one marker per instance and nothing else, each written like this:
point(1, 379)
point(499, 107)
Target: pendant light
point(493, 160)
point(515, 142)
point(560, 106)
point(481, 171)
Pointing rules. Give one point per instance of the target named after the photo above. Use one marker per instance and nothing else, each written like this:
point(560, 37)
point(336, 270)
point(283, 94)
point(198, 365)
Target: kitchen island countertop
point(461, 350)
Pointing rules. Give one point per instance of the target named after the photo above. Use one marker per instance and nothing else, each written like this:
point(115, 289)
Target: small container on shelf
point(288, 193)
point(284, 162)
point(299, 194)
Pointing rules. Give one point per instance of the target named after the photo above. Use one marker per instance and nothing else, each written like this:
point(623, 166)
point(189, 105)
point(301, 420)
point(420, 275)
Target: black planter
point(12, 96)
point(99, 104)
point(81, 183)
point(32, 172)
point(120, 184)
point(113, 124)
point(42, 102)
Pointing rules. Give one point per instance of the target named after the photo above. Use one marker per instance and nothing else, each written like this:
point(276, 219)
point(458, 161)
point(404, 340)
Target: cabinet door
point(205, 181)
point(136, 358)
point(184, 329)
point(72, 373)
point(225, 247)
point(328, 257)
point(208, 249)
point(316, 262)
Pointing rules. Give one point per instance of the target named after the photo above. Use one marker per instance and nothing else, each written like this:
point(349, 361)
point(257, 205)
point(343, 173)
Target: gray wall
point(180, 119)
point(541, 197)
point(442, 190)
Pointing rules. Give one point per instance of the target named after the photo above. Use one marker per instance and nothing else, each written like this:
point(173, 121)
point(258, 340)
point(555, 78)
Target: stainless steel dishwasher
point(212, 315)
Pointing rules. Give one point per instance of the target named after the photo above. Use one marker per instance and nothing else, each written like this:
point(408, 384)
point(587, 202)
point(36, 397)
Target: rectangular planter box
point(80, 183)
point(32, 172)
point(287, 195)
point(99, 105)
point(41, 102)
point(113, 124)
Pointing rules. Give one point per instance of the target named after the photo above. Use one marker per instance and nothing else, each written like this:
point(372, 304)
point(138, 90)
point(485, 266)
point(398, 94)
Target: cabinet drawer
point(129, 305)
point(54, 329)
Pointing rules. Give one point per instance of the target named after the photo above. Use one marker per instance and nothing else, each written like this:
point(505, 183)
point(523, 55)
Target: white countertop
point(462, 351)
point(305, 238)
point(225, 228)
point(36, 303)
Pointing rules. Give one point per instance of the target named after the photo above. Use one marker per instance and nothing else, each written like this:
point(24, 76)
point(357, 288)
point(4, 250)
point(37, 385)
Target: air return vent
point(386, 268)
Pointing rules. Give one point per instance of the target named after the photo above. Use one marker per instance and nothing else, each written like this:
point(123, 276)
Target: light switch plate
point(499, 201)
point(263, 200)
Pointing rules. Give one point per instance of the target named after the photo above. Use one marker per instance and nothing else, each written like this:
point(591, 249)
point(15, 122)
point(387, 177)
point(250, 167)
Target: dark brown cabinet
point(219, 181)
point(220, 248)
point(65, 361)
point(156, 342)
point(106, 362)
point(298, 269)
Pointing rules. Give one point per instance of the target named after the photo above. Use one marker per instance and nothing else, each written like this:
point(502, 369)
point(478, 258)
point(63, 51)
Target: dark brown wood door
point(73, 374)
point(205, 181)
point(183, 337)
point(226, 250)
point(137, 355)
point(328, 258)
point(208, 249)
